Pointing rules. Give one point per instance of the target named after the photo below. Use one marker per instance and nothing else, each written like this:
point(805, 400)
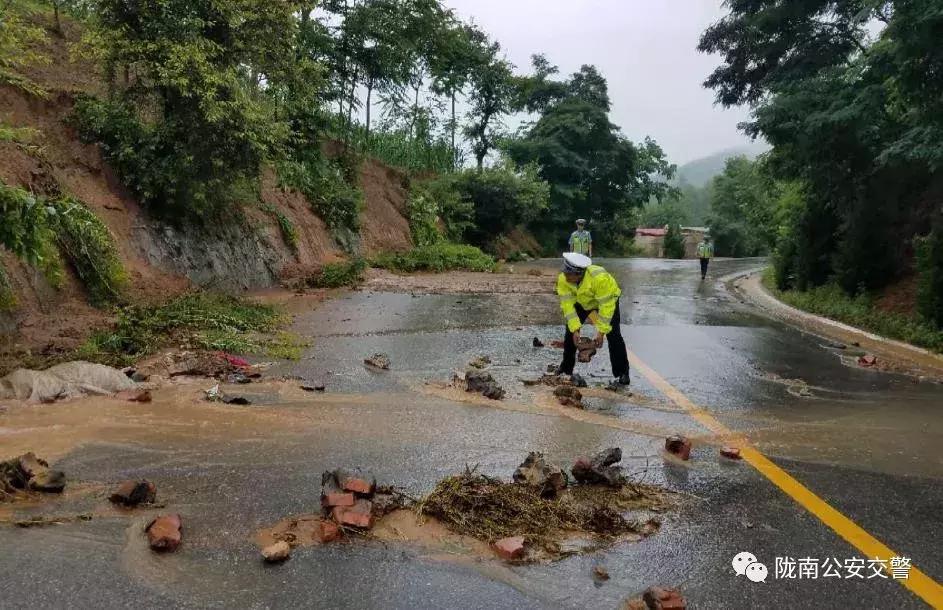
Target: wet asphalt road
point(866, 442)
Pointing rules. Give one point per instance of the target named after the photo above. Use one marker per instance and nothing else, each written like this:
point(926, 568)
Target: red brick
point(679, 446)
point(328, 531)
point(337, 499)
point(164, 534)
point(510, 548)
point(359, 486)
point(731, 452)
point(359, 515)
point(867, 360)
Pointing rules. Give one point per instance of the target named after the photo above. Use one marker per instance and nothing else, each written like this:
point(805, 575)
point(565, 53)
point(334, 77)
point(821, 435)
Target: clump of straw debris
point(490, 509)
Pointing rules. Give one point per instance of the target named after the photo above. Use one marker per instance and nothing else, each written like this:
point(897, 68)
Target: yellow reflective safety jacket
point(598, 291)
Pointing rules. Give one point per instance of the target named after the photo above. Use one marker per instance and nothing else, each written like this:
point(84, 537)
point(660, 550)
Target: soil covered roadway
point(841, 463)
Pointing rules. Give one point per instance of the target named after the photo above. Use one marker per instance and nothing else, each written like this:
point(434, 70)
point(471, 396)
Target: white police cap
point(573, 262)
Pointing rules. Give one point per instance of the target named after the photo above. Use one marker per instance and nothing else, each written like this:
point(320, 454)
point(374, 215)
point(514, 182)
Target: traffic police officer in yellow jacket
point(588, 291)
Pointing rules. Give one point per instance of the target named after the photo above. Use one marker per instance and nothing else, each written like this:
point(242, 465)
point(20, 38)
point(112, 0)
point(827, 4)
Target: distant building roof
point(651, 232)
point(696, 229)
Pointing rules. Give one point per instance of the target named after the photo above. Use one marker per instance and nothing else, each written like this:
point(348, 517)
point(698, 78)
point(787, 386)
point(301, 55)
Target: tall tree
point(493, 95)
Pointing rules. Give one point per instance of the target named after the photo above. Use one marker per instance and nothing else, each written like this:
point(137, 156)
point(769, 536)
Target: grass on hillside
point(337, 275)
point(193, 321)
point(860, 311)
point(436, 257)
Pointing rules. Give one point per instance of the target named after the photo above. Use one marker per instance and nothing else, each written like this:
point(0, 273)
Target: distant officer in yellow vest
point(581, 240)
point(705, 252)
point(588, 291)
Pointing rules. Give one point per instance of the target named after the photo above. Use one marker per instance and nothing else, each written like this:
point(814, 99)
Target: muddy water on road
point(231, 470)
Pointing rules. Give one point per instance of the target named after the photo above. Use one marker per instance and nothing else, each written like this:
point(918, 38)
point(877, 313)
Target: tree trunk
point(454, 152)
point(369, 96)
point(55, 9)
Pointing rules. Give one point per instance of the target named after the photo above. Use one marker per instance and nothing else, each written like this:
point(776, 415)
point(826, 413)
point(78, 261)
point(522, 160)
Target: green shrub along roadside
point(89, 247)
point(930, 274)
point(832, 302)
point(337, 275)
point(197, 320)
point(41, 231)
point(436, 257)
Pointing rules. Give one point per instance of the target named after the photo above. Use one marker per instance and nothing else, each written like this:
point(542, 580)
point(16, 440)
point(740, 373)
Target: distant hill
point(700, 171)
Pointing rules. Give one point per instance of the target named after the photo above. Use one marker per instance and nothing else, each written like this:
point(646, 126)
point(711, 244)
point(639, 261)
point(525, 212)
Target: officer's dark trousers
point(704, 263)
point(617, 354)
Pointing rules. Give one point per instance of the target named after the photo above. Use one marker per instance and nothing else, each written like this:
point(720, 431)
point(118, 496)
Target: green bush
point(437, 257)
point(329, 186)
point(831, 301)
point(423, 214)
point(7, 297)
point(285, 225)
point(193, 321)
point(476, 206)
point(930, 275)
point(674, 242)
point(26, 232)
point(90, 248)
point(336, 275)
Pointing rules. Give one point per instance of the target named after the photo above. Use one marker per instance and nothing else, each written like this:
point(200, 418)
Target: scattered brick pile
point(352, 500)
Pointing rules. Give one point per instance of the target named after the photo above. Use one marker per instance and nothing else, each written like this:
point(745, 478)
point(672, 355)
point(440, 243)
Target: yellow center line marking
point(919, 583)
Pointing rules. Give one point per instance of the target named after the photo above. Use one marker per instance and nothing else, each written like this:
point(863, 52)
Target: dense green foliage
point(930, 273)
point(442, 256)
point(19, 36)
point(674, 242)
point(41, 232)
point(193, 321)
point(831, 301)
point(850, 95)
point(89, 247)
point(741, 218)
point(336, 275)
point(26, 232)
point(499, 198)
point(593, 170)
point(285, 226)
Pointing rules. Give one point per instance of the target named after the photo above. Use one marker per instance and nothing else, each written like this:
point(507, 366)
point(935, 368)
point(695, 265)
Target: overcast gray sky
point(646, 50)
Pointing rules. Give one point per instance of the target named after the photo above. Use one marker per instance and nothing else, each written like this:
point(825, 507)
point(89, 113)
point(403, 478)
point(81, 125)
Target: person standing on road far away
point(588, 291)
point(581, 240)
point(705, 252)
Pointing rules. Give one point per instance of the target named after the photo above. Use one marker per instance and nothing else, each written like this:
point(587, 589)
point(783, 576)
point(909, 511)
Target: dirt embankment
point(161, 259)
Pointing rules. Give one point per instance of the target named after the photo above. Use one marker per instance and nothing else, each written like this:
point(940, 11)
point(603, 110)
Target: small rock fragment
point(313, 387)
point(510, 548)
point(732, 453)
point(379, 361)
point(538, 342)
point(663, 598)
point(535, 471)
point(132, 493)
point(238, 378)
point(585, 349)
point(679, 446)
point(600, 573)
point(164, 534)
point(600, 469)
point(557, 344)
point(480, 362)
point(867, 360)
point(569, 396)
point(483, 383)
point(49, 481)
point(274, 553)
point(636, 603)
